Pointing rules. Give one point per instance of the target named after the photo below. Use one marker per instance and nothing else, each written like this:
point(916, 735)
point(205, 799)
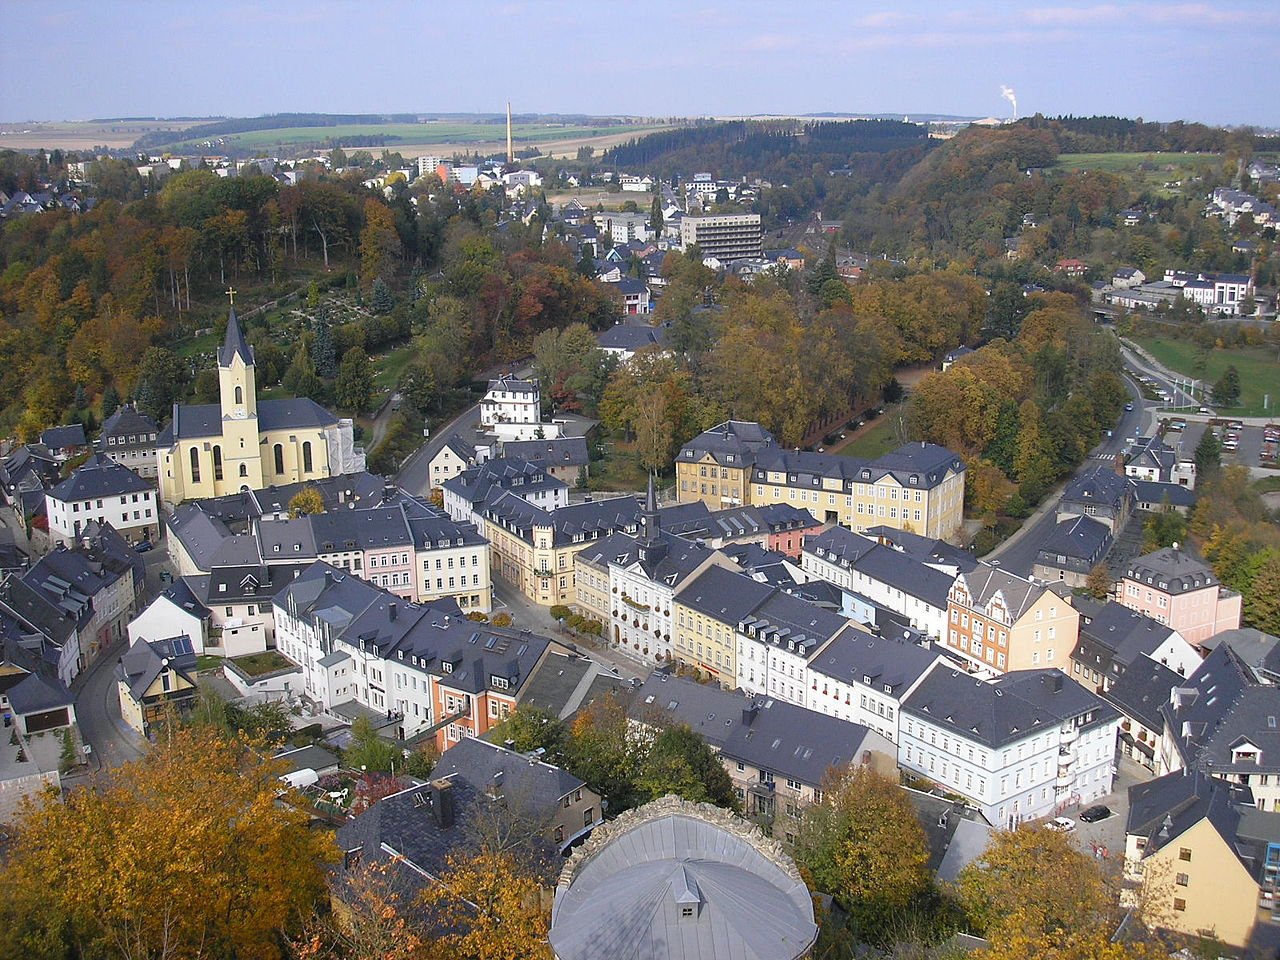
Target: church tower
point(652, 548)
point(237, 461)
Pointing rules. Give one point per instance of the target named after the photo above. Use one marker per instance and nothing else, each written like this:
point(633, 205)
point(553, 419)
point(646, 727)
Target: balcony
point(1066, 756)
point(1070, 734)
point(1064, 779)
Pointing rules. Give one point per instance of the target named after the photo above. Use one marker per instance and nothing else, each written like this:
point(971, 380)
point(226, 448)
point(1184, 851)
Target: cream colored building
point(1000, 622)
point(240, 443)
point(918, 488)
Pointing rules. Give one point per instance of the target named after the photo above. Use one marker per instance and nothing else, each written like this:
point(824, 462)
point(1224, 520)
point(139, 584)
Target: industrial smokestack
point(511, 155)
point(1008, 94)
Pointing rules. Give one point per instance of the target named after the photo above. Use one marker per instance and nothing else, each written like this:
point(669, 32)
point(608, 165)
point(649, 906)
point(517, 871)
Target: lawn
point(1129, 162)
point(390, 365)
point(1258, 366)
point(257, 664)
point(879, 439)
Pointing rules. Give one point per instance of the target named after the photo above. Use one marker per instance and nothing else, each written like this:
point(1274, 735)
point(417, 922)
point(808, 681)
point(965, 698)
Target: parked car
point(143, 546)
point(1129, 405)
point(1094, 814)
point(1061, 825)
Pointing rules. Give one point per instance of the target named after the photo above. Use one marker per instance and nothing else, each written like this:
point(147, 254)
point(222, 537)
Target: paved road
point(98, 713)
point(1018, 553)
point(412, 476)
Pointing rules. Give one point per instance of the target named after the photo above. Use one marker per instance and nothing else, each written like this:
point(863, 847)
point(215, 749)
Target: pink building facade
point(1174, 588)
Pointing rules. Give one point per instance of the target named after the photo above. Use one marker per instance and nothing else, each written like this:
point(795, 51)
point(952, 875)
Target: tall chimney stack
point(511, 155)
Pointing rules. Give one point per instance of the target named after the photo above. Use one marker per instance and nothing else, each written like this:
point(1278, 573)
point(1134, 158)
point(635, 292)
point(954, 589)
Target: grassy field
point(461, 135)
point(389, 366)
point(82, 135)
point(879, 439)
point(1259, 370)
point(1127, 162)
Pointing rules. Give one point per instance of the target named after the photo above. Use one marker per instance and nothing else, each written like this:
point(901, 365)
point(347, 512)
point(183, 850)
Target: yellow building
point(156, 681)
point(533, 549)
point(1204, 855)
point(239, 443)
point(1001, 622)
point(706, 612)
point(918, 488)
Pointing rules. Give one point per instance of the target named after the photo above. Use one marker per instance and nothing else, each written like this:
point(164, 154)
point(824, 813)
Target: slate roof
point(128, 422)
point(30, 607)
point(310, 757)
point(1172, 571)
point(513, 385)
point(1099, 485)
point(200, 534)
point(234, 344)
point(485, 481)
point(561, 452)
point(70, 579)
point(1013, 707)
point(723, 595)
point(591, 519)
point(632, 337)
point(1152, 491)
point(97, 477)
point(1127, 634)
point(195, 420)
point(837, 545)
point(732, 442)
point(622, 894)
point(984, 581)
point(180, 595)
point(147, 659)
point(856, 657)
point(530, 782)
point(889, 566)
point(925, 549)
point(35, 693)
point(1141, 691)
point(795, 743)
point(1220, 706)
point(60, 438)
point(710, 711)
point(790, 623)
point(1083, 541)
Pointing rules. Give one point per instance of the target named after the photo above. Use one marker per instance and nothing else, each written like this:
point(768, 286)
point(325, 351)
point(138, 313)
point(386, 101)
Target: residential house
point(45, 630)
point(466, 495)
point(1072, 550)
point(633, 296)
point(1220, 721)
point(560, 807)
point(102, 491)
point(1208, 854)
point(156, 680)
point(178, 613)
point(25, 475)
point(777, 639)
point(512, 407)
point(707, 610)
point(625, 340)
point(715, 466)
point(1126, 278)
point(1075, 269)
point(1113, 638)
point(567, 459)
point(1174, 588)
point(863, 679)
point(454, 456)
point(998, 622)
point(1100, 494)
point(1138, 695)
point(959, 353)
point(64, 442)
point(1154, 497)
point(1018, 748)
point(1151, 459)
point(129, 438)
point(533, 548)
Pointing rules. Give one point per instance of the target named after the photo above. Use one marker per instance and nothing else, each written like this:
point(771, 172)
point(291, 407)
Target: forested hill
point(761, 148)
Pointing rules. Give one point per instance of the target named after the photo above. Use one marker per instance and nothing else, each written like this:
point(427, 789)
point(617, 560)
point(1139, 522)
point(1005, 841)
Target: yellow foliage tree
point(306, 502)
point(488, 907)
point(182, 854)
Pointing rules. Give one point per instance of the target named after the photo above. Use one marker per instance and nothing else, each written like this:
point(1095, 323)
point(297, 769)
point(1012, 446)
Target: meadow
point(1258, 366)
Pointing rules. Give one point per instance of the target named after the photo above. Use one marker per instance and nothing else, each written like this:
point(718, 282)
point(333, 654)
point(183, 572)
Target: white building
point(864, 679)
point(621, 227)
point(178, 613)
point(103, 491)
point(1020, 748)
point(776, 641)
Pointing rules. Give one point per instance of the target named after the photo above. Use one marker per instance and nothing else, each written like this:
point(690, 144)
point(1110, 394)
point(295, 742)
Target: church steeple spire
point(652, 547)
point(235, 343)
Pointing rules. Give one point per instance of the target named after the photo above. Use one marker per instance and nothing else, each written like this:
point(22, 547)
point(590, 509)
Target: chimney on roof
point(1056, 681)
point(749, 713)
point(328, 578)
point(441, 792)
point(391, 611)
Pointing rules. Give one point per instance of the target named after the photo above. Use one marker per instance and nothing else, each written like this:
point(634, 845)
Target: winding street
point(112, 741)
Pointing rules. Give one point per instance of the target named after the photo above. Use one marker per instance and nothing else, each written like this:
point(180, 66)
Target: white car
point(1061, 825)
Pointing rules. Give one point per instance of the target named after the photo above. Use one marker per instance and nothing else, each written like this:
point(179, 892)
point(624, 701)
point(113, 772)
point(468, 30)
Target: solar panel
point(182, 645)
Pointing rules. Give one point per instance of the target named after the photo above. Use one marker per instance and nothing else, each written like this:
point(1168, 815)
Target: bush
point(560, 612)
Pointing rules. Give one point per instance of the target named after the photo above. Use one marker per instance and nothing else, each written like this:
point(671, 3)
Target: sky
point(1214, 62)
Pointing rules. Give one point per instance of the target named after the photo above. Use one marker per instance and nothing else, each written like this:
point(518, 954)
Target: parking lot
point(1248, 453)
point(1105, 839)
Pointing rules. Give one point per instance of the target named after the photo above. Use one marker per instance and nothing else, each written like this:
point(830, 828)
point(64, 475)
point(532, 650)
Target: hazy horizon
point(1208, 62)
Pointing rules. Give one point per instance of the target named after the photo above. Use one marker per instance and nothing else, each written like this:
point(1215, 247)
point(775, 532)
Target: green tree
point(1226, 392)
point(110, 401)
point(300, 379)
point(1163, 529)
point(381, 301)
point(655, 214)
point(531, 728)
point(1208, 455)
point(162, 381)
point(679, 761)
point(354, 387)
point(326, 358)
point(601, 752)
point(863, 844)
point(368, 751)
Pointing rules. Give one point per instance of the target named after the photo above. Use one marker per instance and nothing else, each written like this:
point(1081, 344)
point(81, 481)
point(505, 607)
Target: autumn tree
point(601, 752)
point(863, 844)
point(571, 367)
point(306, 502)
point(530, 728)
point(162, 381)
point(1100, 582)
point(379, 243)
point(112, 872)
point(487, 907)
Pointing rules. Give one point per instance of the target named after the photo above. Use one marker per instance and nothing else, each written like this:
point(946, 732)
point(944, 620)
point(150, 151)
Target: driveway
point(1105, 839)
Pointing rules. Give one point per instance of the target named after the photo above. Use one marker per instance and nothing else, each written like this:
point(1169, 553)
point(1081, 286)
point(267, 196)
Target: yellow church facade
point(241, 443)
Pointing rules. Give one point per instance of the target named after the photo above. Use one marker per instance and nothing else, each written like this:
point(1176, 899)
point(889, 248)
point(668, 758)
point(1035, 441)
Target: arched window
point(239, 396)
point(195, 465)
point(306, 456)
point(244, 470)
point(217, 463)
point(279, 452)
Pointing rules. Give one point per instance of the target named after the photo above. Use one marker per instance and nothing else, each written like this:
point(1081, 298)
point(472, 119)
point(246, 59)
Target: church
point(239, 443)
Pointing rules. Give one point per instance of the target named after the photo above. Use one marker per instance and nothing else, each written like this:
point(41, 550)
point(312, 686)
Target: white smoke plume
point(1008, 94)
